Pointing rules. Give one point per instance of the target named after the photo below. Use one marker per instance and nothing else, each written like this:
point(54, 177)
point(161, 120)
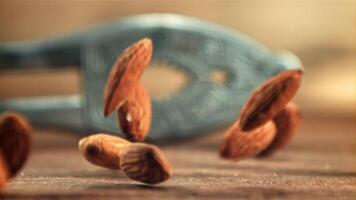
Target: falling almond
point(269, 99)
point(125, 74)
point(135, 114)
point(239, 145)
point(4, 171)
point(265, 123)
point(287, 122)
point(15, 140)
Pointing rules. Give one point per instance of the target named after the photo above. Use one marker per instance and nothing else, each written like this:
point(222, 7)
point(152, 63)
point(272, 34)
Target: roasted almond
point(287, 122)
point(269, 99)
point(141, 162)
point(145, 163)
point(4, 171)
point(125, 74)
point(135, 114)
point(239, 144)
point(103, 150)
point(15, 141)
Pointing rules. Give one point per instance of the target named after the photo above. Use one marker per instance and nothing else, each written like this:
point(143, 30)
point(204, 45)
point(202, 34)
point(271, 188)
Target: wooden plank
point(319, 164)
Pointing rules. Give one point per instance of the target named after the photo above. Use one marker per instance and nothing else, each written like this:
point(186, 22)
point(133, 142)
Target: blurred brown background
point(320, 32)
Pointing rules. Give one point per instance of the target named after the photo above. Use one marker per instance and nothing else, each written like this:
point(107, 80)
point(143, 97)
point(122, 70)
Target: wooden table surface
point(320, 163)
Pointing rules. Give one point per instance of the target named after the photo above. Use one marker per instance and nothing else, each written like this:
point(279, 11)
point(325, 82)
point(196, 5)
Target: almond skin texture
point(135, 114)
point(103, 150)
point(269, 99)
point(287, 122)
point(15, 141)
point(126, 73)
point(145, 163)
point(239, 144)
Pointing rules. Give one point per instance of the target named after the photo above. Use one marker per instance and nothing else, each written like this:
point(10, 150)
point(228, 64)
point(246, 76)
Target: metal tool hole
point(219, 76)
point(164, 80)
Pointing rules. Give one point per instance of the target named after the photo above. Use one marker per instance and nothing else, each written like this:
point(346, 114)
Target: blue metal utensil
point(196, 47)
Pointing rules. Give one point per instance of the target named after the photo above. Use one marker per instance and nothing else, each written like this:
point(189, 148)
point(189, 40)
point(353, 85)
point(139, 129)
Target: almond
point(103, 150)
point(141, 162)
point(125, 74)
point(15, 140)
point(287, 122)
point(145, 163)
point(4, 171)
point(239, 144)
point(269, 99)
point(135, 114)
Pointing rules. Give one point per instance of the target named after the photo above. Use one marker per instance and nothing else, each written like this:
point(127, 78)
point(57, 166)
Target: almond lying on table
point(141, 162)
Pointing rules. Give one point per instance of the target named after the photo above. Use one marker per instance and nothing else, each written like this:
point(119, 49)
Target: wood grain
point(319, 164)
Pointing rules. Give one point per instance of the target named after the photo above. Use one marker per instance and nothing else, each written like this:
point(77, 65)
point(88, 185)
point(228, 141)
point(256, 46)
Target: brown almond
point(269, 99)
point(145, 163)
point(287, 122)
point(4, 171)
point(103, 150)
point(15, 140)
point(141, 162)
point(125, 74)
point(135, 114)
point(239, 144)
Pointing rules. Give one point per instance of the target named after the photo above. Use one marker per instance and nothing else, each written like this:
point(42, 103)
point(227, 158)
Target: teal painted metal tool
point(196, 47)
